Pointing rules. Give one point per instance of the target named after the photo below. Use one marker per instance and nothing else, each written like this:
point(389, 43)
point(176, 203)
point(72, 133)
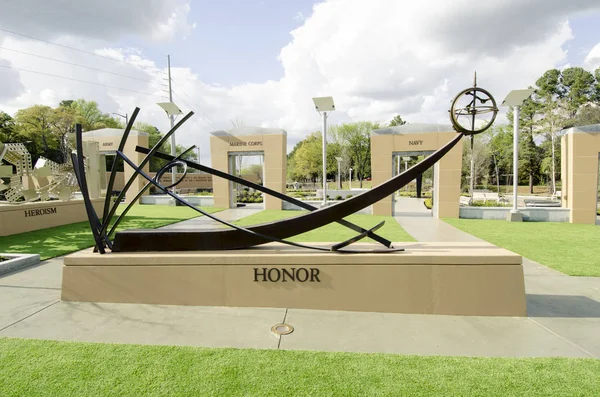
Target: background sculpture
point(50, 179)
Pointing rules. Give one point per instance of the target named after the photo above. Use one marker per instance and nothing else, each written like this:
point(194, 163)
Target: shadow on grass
point(61, 240)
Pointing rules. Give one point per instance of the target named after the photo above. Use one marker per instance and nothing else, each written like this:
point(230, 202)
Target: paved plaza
point(563, 316)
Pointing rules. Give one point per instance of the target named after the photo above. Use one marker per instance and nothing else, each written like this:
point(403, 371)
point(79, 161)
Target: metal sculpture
point(237, 237)
point(50, 179)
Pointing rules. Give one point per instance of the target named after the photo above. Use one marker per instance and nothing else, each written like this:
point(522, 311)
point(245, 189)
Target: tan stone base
point(26, 217)
point(429, 278)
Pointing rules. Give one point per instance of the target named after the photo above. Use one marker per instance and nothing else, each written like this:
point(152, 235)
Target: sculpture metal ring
point(472, 109)
point(170, 165)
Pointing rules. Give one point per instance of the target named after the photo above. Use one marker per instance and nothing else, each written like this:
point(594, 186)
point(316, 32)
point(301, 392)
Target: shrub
point(348, 196)
point(338, 197)
point(428, 203)
point(488, 204)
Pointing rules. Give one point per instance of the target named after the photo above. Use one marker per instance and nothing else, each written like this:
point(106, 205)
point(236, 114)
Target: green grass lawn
point(333, 232)
point(48, 368)
point(61, 240)
point(569, 248)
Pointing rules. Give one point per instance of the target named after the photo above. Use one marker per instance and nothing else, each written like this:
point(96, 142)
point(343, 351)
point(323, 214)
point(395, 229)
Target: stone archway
point(108, 140)
point(386, 142)
point(271, 142)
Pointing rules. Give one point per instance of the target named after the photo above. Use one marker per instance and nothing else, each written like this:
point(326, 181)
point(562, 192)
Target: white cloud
point(10, 84)
point(97, 19)
point(592, 60)
point(376, 58)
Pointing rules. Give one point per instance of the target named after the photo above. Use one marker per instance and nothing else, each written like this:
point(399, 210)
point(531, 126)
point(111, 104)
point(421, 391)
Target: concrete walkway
point(408, 206)
point(204, 222)
point(564, 318)
point(565, 306)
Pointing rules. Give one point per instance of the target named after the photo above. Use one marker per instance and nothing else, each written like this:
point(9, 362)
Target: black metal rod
point(268, 191)
point(241, 229)
point(356, 238)
point(136, 198)
point(113, 170)
point(89, 209)
point(141, 166)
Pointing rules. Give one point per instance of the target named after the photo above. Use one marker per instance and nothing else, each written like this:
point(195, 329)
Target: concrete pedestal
point(26, 217)
point(428, 278)
point(514, 216)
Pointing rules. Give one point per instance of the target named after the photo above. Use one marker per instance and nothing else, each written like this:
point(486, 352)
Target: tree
point(588, 115)
point(530, 157)
point(154, 135)
point(577, 89)
point(397, 120)
point(357, 138)
point(8, 133)
point(500, 150)
point(63, 126)
point(308, 157)
point(35, 124)
point(553, 107)
point(90, 116)
point(67, 103)
point(481, 160)
point(596, 91)
point(255, 170)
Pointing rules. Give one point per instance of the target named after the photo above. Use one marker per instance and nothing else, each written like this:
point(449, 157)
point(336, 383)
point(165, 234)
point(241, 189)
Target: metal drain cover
point(282, 329)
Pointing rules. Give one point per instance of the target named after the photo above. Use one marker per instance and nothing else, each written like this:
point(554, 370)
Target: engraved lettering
point(38, 212)
point(290, 273)
point(277, 272)
point(263, 274)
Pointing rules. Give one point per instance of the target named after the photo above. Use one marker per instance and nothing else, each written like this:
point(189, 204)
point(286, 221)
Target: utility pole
point(172, 119)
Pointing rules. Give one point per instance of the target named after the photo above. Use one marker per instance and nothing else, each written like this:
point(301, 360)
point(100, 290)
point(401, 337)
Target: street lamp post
point(339, 178)
point(125, 117)
point(350, 181)
point(324, 105)
point(515, 98)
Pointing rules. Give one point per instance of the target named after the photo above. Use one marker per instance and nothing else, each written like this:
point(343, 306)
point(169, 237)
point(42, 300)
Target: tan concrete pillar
point(382, 147)
point(564, 171)
point(136, 157)
point(446, 197)
point(92, 176)
point(582, 174)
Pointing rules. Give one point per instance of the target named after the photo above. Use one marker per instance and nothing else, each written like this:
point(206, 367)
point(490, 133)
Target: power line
point(195, 107)
point(198, 124)
point(80, 81)
point(76, 64)
point(64, 46)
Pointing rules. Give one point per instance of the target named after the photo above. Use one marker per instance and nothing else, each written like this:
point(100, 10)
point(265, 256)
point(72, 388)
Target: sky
point(259, 62)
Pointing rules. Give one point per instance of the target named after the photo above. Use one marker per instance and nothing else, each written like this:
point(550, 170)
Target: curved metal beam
point(223, 239)
point(268, 191)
